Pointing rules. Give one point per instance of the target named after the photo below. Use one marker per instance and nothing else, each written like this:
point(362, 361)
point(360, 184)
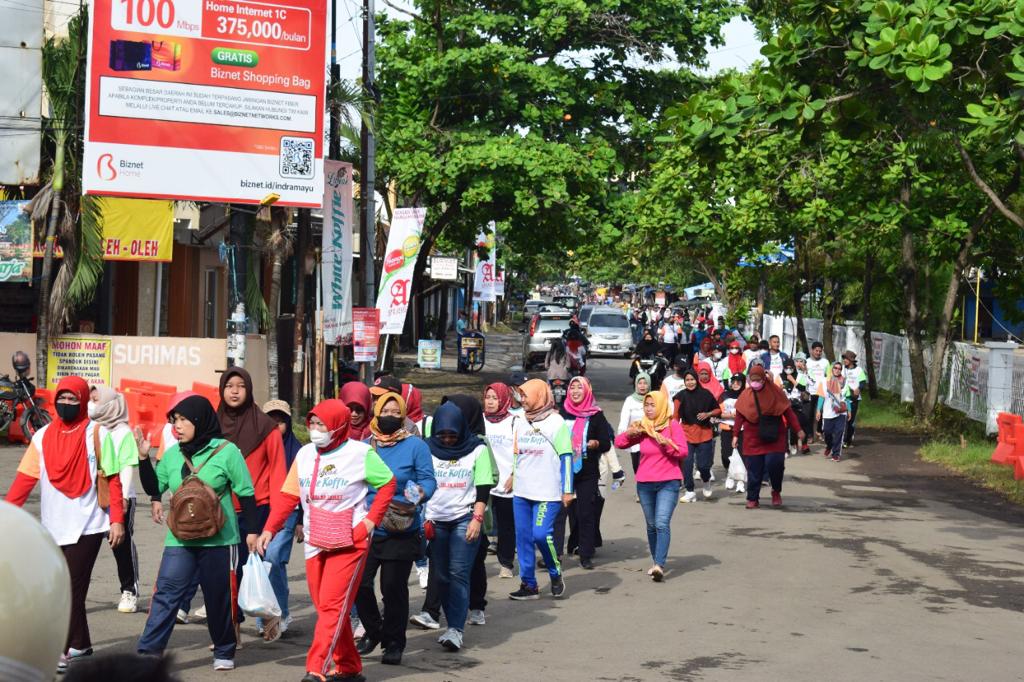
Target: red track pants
point(333, 579)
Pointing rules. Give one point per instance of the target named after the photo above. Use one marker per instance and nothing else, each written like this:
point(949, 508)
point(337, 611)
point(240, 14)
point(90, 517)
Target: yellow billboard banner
point(133, 229)
point(84, 356)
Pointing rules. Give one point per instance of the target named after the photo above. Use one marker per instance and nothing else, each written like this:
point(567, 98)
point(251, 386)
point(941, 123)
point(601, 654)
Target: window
point(605, 320)
point(210, 304)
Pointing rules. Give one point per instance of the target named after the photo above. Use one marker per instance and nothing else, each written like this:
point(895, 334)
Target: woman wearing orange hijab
point(63, 458)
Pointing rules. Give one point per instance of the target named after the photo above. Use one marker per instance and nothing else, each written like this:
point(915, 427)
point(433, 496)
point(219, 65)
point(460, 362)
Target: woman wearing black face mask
point(396, 542)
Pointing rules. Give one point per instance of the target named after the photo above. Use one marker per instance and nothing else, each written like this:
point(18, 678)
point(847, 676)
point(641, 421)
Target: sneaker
point(776, 498)
point(707, 489)
point(476, 617)
point(223, 664)
point(753, 504)
point(366, 645)
point(712, 472)
point(835, 458)
point(423, 574)
point(70, 655)
point(557, 587)
point(285, 623)
point(182, 617)
point(741, 487)
point(688, 496)
point(341, 677)
point(129, 603)
point(505, 572)
point(730, 484)
point(657, 575)
point(392, 656)
point(525, 592)
point(587, 564)
point(451, 639)
point(200, 613)
point(636, 498)
point(357, 628)
point(425, 621)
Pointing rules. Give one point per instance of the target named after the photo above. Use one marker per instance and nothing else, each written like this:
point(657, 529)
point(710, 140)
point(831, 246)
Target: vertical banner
point(499, 281)
point(399, 263)
point(365, 334)
point(336, 253)
point(483, 280)
point(15, 242)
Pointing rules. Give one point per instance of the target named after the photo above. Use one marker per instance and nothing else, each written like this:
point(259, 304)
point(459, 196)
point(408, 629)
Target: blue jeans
point(215, 567)
point(451, 559)
point(279, 551)
point(701, 454)
point(833, 430)
point(658, 499)
point(535, 526)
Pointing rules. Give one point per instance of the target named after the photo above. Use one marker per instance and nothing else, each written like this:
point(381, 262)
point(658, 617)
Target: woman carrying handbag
point(331, 477)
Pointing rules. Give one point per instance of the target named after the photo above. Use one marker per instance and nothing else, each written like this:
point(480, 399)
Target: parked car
point(584, 314)
point(532, 306)
point(609, 332)
point(537, 338)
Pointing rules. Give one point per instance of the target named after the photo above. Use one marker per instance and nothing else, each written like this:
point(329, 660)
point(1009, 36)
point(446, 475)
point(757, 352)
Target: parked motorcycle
point(655, 365)
point(19, 392)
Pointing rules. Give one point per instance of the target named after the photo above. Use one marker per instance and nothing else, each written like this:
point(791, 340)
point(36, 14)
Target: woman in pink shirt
point(658, 478)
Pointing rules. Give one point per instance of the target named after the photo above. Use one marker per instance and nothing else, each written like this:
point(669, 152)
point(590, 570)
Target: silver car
point(544, 327)
point(609, 333)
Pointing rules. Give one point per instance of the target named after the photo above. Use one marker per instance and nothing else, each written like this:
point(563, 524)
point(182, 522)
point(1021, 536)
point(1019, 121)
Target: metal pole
point(335, 139)
point(977, 304)
point(368, 176)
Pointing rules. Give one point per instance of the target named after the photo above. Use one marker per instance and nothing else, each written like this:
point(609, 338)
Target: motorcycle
point(655, 365)
point(559, 388)
point(19, 392)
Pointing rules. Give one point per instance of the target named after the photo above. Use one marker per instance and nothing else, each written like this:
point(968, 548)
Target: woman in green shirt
point(221, 466)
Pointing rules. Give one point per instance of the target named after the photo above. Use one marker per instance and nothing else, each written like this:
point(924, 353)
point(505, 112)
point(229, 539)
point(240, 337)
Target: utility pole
point(367, 174)
point(334, 150)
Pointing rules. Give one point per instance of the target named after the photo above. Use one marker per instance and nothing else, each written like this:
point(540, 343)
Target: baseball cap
point(386, 384)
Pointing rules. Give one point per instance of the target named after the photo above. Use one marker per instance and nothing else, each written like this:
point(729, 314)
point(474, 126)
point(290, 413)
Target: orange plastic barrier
point(211, 393)
point(1008, 443)
point(1018, 451)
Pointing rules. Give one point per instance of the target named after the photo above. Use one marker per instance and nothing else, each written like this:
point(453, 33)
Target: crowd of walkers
point(382, 488)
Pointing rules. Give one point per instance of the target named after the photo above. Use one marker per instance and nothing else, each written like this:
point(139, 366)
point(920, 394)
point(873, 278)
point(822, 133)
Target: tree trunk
point(43, 321)
point(299, 364)
point(762, 292)
point(915, 347)
point(798, 309)
point(829, 304)
point(869, 348)
point(275, 307)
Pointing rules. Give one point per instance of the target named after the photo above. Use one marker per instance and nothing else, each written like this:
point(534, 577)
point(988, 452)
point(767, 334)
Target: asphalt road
point(878, 567)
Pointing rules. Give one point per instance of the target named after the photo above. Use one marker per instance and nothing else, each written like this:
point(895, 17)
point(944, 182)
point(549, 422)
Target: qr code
point(296, 157)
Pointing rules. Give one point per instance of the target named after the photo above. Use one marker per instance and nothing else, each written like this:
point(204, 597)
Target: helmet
point(21, 362)
point(32, 631)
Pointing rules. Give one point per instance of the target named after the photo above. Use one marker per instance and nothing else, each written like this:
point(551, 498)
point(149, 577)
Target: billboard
point(399, 263)
point(215, 100)
point(336, 252)
point(15, 242)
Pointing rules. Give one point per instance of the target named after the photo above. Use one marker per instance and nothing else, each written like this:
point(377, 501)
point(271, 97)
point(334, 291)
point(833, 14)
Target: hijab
point(504, 394)
point(246, 425)
point(729, 393)
point(538, 402)
point(788, 384)
point(291, 443)
point(472, 411)
point(356, 392)
point(637, 396)
point(336, 417)
point(586, 407)
point(111, 409)
point(661, 421)
point(448, 417)
point(200, 412)
point(770, 398)
point(647, 346)
point(694, 401)
point(386, 440)
point(737, 364)
point(64, 450)
point(712, 384)
point(835, 384)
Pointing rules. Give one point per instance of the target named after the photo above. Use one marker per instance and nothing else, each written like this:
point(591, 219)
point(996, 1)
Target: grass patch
point(972, 458)
point(887, 413)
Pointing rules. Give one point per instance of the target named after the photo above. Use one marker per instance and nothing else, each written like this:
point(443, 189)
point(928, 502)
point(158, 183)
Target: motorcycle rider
point(576, 343)
point(559, 369)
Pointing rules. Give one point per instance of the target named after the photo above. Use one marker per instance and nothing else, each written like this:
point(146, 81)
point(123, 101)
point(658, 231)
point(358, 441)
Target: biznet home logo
point(108, 169)
point(105, 167)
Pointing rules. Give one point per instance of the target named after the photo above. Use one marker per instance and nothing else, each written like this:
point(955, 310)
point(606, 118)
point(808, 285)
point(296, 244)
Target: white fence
point(978, 380)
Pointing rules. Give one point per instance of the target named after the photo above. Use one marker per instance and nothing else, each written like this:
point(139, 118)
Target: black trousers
point(125, 555)
point(392, 558)
point(635, 459)
point(726, 443)
point(583, 516)
point(477, 584)
point(81, 558)
point(505, 529)
point(773, 464)
point(851, 423)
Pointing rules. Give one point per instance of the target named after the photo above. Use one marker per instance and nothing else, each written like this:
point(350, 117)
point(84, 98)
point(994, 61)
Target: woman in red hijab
point(331, 478)
point(356, 396)
point(79, 502)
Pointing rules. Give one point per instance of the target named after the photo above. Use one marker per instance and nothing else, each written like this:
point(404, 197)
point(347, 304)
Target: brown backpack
point(196, 513)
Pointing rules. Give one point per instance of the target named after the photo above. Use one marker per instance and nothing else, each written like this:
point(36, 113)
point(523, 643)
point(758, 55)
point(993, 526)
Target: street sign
point(444, 268)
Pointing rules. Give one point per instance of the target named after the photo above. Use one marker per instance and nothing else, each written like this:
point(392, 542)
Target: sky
point(740, 50)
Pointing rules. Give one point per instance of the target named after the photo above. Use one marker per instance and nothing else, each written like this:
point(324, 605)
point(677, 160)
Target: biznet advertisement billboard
point(208, 100)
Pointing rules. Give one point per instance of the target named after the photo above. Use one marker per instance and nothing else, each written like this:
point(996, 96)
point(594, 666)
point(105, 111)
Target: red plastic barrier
point(1018, 451)
point(1008, 443)
point(211, 393)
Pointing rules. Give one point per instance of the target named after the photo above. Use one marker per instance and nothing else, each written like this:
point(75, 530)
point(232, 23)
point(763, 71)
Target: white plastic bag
point(256, 595)
point(737, 471)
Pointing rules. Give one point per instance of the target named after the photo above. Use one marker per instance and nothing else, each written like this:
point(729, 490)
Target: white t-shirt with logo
point(457, 480)
point(538, 450)
point(672, 385)
point(818, 369)
point(776, 363)
point(499, 437)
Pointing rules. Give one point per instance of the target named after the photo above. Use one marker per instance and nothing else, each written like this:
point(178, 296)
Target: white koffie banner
point(399, 263)
point(483, 280)
point(336, 252)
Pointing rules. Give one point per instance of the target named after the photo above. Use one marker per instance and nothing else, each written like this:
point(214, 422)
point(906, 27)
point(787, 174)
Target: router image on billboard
point(132, 55)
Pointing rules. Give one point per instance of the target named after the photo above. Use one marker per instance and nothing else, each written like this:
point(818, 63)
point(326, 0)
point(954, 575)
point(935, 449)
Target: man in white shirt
point(817, 364)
